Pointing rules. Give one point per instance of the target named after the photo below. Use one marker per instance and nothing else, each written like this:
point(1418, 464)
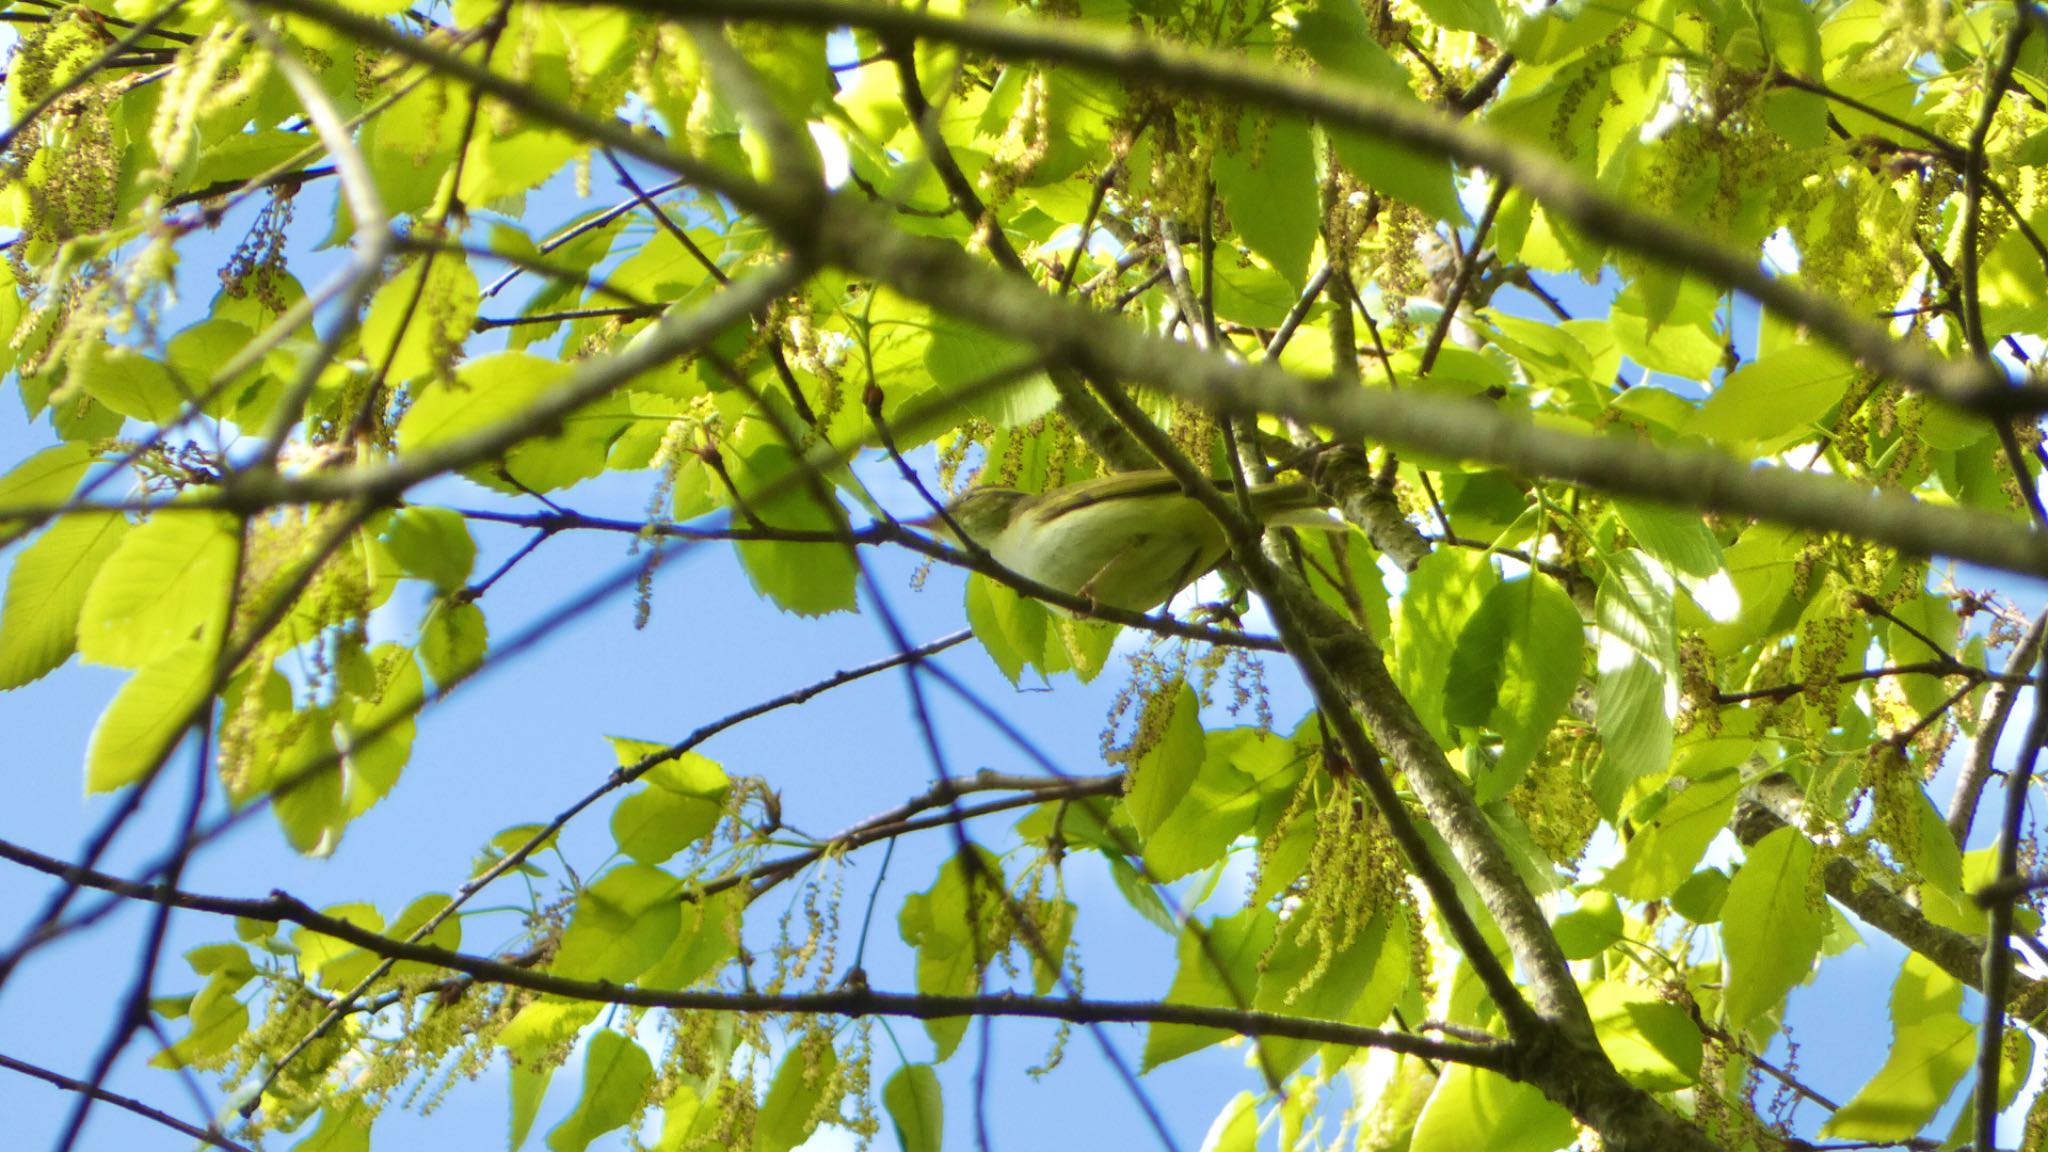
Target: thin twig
point(1997, 941)
point(203, 1135)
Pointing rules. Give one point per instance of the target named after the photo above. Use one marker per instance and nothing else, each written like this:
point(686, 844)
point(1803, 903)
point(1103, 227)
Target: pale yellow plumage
point(1129, 541)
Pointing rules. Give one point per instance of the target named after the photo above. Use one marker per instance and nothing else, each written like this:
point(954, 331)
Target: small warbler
point(1129, 541)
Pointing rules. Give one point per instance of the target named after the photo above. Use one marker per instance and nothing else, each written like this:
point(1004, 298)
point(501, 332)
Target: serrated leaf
point(418, 330)
point(431, 544)
point(1674, 334)
point(616, 1072)
point(792, 1109)
point(1514, 669)
point(147, 717)
point(1588, 930)
point(131, 383)
point(529, 1086)
point(957, 926)
point(343, 1128)
point(47, 589)
point(1010, 627)
point(1163, 774)
point(1218, 968)
point(1933, 1046)
point(453, 641)
point(494, 390)
point(623, 923)
point(1236, 1128)
point(1221, 803)
point(45, 479)
point(545, 1024)
point(1770, 929)
point(807, 579)
point(1481, 16)
point(1680, 540)
point(166, 586)
point(1442, 594)
point(1637, 687)
point(1662, 855)
point(1423, 179)
point(1652, 1042)
point(1776, 399)
point(916, 1107)
point(1358, 979)
point(653, 824)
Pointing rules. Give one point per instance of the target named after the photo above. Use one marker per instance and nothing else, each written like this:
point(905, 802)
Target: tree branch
point(280, 907)
point(1977, 384)
point(203, 1135)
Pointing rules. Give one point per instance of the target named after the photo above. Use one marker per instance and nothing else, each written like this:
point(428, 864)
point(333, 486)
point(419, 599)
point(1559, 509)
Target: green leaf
point(1567, 27)
point(545, 1024)
point(807, 579)
point(529, 1087)
point(957, 926)
point(1792, 30)
point(1679, 540)
point(453, 641)
point(1662, 855)
point(916, 1108)
point(1423, 179)
point(1675, 335)
point(1637, 688)
point(1442, 594)
point(147, 717)
point(432, 544)
point(709, 936)
point(1775, 400)
point(1653, 1042)
point(1700, 898)
point(217, 1021)
point(1163, 774)
point(419, 330)
point(1481, 16)
point(796, 1099)
point(390, 711)
point(1588, 930)
point(653, 824)
point(246, 154)
point(1011, 627)
point(1239, 769)
point(447, 935)
point(1472, 1108)
point(623, 923)
point(45, 479)
point(47, 589)
point(130, 383)
point(1268, 184)
point(1771, 927)
point(329, 960)
point(343, 1128)
point(1218, 968)
point(1933, 1046)
point(1514, 669)
point(1337, 36)
point(1236, 1128)
point(495, 390)
point(167, 585)
point(691, 774)
point(1357, 978)
point(616, 1073)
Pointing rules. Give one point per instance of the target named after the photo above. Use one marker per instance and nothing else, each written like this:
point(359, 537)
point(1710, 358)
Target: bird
point(1129, 540)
